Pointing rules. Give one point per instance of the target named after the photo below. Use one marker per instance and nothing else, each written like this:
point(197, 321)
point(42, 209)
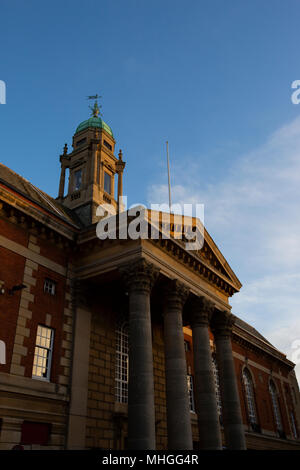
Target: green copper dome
point(95, 122)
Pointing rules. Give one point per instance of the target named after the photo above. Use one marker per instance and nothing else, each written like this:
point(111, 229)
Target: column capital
point(201, 311)
point(139, 275)
point(222, 323)
point(175, 294)
point(120, 165)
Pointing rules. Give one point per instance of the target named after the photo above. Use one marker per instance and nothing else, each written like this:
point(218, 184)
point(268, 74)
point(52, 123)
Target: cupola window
point(81, 142)
point(78, 180)
point(107, 183)
point(107, 145)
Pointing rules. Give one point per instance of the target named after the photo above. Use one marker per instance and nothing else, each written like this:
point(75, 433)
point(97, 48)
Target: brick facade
point(106, 424)
point(21, 313)
point(43, 238)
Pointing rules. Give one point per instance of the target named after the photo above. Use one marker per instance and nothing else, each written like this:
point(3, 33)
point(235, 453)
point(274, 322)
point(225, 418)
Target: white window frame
point(49, 286)
point(190, 386)
point(275, 404)
point(2, 352)
point(293, 424)
point(122, 363)
point(217, 385)
point(107, 175)
point(249, 395)
point(76, 187)
point(47, 353)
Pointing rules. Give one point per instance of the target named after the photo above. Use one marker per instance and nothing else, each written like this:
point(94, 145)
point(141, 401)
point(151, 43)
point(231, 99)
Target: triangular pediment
point(215, 258)
point(208, 253)
point(174, 237)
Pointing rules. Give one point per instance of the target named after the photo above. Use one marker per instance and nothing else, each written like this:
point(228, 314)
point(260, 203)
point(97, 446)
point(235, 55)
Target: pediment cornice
point(251, 342)
point(26, 215)
point(206, 265)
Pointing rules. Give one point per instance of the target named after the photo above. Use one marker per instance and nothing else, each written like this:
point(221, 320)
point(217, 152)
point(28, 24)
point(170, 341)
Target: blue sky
point(213, 77)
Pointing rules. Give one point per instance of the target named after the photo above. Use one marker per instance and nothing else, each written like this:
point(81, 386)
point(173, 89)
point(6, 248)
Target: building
point(125, 343)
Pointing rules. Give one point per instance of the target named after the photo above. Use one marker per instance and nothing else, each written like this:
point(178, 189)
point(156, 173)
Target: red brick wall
point(261, 379)
point(44, 304)
point(53, 251)
point(14, 232)
point(11, 272)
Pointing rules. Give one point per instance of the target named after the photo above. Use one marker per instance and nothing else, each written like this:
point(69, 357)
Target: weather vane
point(96, 108)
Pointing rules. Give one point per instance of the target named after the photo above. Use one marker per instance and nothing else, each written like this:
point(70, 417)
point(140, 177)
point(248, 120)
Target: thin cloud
point(253, 215)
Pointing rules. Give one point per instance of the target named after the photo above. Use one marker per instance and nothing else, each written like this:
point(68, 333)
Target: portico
point(189, 291)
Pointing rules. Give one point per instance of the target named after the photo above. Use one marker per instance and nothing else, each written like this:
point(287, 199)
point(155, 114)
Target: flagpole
point(169, 180)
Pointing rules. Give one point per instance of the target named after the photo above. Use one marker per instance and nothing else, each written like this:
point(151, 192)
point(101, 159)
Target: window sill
point(42, 379)
point(121, 408)
point(30, 386)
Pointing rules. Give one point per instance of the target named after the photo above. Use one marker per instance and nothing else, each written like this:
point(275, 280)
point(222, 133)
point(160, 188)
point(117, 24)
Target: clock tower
point(92, 169)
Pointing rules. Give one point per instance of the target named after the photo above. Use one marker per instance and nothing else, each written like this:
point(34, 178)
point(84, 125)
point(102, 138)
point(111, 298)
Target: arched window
point(290, 406)
point(293, 424)
point(275, 404)
point(249, 395)
point(217, 385)
point(121, 368)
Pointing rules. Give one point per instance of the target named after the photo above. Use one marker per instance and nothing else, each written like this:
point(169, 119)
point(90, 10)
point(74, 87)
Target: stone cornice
point(176, 249)
point(36, 222)
point(250, 341)
point(197, 264)
point(96, 134)
point(39, 213)
point(108, 153)
point(24, 202)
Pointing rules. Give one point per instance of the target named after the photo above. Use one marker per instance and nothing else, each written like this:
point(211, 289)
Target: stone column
point(64, 159)
point(178, 406)
point(76, 436)
point(139, 278)
point(120, 165)
point(205, 392)
point(92, 177)
point(62, 182)
point(222, 324)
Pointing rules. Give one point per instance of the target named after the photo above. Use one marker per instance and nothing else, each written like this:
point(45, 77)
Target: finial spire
point(96, 108)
